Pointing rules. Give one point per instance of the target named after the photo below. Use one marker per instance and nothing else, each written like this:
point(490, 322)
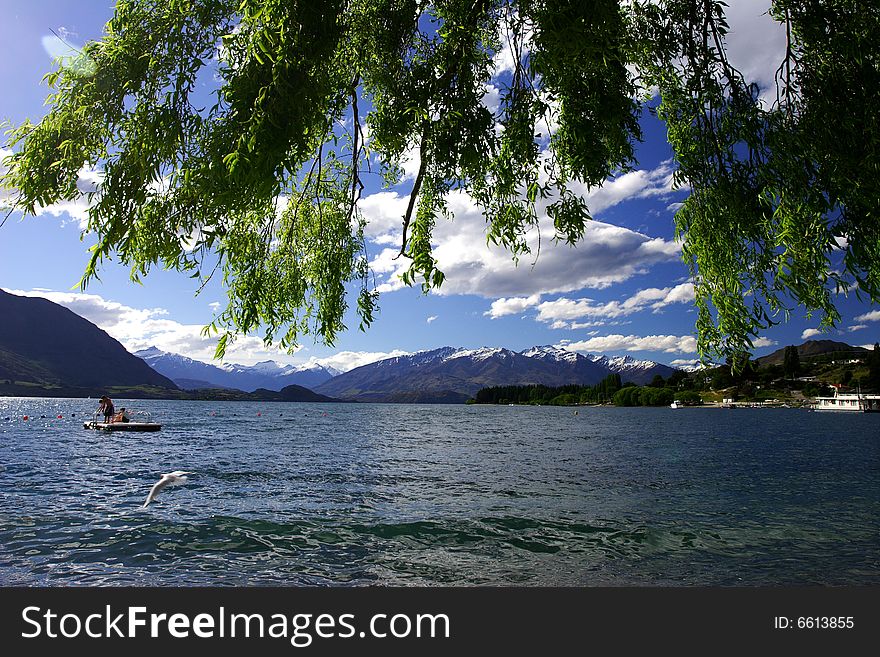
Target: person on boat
point(122, 416)
point(106, 409)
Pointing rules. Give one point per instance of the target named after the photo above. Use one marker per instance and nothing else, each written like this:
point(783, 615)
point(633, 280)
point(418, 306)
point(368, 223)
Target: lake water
point(363, 494)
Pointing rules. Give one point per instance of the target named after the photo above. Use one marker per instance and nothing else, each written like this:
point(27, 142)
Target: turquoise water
point(363, 494)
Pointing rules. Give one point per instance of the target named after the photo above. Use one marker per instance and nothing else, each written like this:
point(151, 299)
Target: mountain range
point(190, 374)
point(45, 349)
point(445, 375)
point(452, 374)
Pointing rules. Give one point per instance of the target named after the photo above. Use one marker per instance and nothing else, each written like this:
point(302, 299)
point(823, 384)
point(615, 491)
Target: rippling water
point(362, 494)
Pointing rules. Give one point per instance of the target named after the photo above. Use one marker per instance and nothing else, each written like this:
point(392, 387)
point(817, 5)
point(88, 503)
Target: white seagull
point(176, 478)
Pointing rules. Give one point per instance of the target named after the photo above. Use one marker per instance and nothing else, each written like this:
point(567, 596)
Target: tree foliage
point(874, 368)
point(791, 361)
point(643, 396)
point(542, 395)
point(262, 182)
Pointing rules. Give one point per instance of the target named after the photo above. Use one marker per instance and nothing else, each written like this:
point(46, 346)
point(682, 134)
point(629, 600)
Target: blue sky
point(623, 290)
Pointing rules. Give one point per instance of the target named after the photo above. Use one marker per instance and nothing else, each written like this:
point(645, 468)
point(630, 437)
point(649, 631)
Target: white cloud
point(873, 316)
point(511, 306)
point(410, 162)
point(76, 210)
point(505, 59)
point(655, 298)
point(856, 327)
point(809, 333)
point(583, 325)
point(492, 97)
point(764, 342)
point(385, 212)
point(682, 293)
point(755, 43)
point(666, 343)
point(642, 183)
point(348, 360)
point(685, 362)
point(88, 180)
point(607, 254)
point(430, 319)
point(5, 194)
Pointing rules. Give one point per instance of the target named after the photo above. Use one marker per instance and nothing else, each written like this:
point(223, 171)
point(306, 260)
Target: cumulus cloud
point(430, 319)
point(809, 333)
point(511, 306)
point(756, 43)
point(685, 344)
point(506, 57)
point(764, 342)
point(642, 183)
point(385, 211)
point(583, 325)
point(348, 360)
point(88, 180)
point(653, 298)
point(607, 254)
point(492, 97)
point(5, 194)
point(873, 316)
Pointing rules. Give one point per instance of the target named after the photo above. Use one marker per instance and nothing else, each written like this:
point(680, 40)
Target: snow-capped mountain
point(190, 374)
point(548, 352)
point(455, 374)
point(637, 371)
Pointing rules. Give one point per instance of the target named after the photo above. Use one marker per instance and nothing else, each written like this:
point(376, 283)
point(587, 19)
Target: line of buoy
point(25, 418)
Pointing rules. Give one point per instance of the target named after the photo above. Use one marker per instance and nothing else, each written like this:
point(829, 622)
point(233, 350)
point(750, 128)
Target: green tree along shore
point(751, 382)
point(263, 185)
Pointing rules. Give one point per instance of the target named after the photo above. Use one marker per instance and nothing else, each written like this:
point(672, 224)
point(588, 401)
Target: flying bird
point(176, 478)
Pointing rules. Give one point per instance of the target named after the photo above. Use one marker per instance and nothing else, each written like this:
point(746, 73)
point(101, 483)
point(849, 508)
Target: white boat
point(674, 404)
point(852, 402)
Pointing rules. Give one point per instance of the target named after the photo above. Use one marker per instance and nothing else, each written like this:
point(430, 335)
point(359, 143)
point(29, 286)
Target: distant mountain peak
point(479, 354)
point(267, 374)
point(551, 352)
